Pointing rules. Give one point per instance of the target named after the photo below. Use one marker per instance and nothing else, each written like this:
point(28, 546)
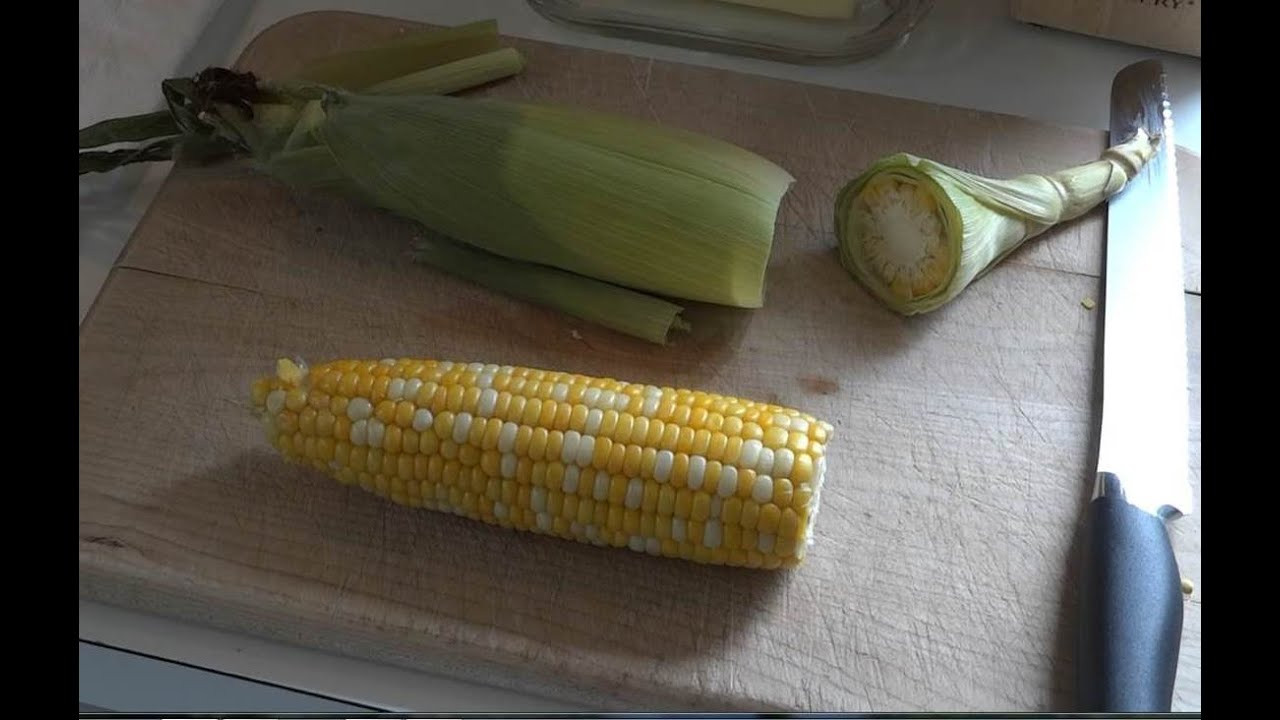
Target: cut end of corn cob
point(906, 248)
point(678, 473)
point(917, 233)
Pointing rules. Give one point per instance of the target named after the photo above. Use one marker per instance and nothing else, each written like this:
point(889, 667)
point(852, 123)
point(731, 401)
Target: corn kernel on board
point(940, 576)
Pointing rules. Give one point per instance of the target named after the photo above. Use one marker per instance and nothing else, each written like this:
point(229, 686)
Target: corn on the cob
point(683, 474)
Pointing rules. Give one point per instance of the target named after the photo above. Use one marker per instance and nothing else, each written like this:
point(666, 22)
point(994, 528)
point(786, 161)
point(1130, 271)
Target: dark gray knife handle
point(1130, 612)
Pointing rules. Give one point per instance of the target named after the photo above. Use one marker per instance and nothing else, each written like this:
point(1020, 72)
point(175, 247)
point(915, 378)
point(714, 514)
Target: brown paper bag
point(1172, 25)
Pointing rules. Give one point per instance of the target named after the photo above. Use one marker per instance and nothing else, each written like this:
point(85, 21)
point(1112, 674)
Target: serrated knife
point(1131, 601)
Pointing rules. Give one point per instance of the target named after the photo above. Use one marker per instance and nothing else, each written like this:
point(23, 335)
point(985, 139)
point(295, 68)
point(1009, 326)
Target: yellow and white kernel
point(664, 471)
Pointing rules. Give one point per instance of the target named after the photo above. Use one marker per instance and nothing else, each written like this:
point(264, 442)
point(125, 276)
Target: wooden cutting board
point(942, 577)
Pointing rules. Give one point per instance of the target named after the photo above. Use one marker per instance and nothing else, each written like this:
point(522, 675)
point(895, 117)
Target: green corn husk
point(143, 127)
point(597, 216)
point(453, 76)
point(626, 311)
point(358, 69)
point(618, 200)
point(617, 308)
point(574, 211)
point(916, 233)
point(289, 126)
point(603, 217)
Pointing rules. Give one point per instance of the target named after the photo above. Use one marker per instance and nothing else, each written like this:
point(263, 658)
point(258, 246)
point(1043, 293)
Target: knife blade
point(1131, 600)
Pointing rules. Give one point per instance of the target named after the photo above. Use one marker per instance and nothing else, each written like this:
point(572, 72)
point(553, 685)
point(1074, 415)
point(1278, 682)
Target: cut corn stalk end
point(675, 473)
point(916, 233)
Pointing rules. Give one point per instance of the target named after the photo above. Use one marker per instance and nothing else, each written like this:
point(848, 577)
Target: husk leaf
point(360, 68)
point(626, 311)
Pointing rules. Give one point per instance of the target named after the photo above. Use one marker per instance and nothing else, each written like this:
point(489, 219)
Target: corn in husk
point(610, 198)
point(916, 232)
point(604, 217)
point(648, 211)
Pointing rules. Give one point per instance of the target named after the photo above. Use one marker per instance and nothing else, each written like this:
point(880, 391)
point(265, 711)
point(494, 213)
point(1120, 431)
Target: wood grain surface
point(942, 577)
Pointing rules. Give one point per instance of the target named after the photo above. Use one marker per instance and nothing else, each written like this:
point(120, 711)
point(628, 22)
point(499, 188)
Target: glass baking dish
point(796, 31)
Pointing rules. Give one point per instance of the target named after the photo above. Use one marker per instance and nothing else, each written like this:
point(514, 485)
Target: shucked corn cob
point(685, 474)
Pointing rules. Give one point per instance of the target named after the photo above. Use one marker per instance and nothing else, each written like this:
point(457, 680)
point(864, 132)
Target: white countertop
point(967, 53)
